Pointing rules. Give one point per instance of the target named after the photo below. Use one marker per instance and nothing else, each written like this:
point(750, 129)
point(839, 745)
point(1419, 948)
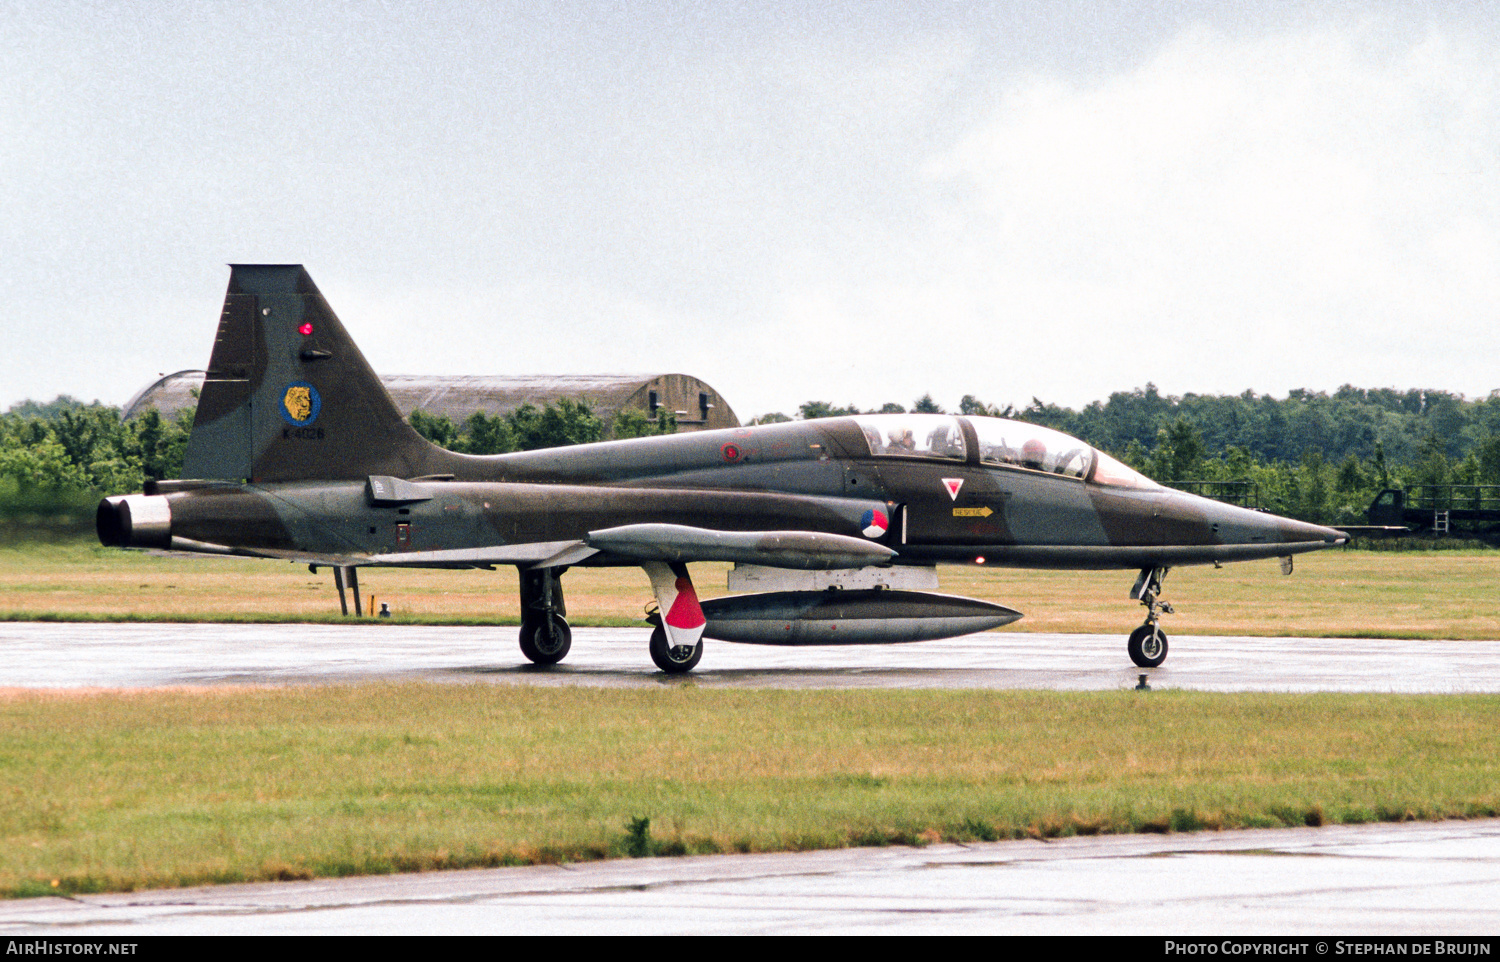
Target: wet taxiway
point(1438, 879)
point(54, 655)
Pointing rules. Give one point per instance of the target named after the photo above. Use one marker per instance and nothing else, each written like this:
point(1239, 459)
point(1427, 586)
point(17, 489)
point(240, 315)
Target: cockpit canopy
point(1001, 442)
point(1030, 446)
point(914, 435)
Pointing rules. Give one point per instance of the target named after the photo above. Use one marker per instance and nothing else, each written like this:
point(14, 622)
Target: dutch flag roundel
point(874, 523)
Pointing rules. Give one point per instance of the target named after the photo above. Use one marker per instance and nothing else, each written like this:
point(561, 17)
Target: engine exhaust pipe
point(134, 521)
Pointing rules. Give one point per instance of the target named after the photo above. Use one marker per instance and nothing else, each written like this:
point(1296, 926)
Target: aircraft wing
point(482, 557)
point(809, 550)
point(806, 550)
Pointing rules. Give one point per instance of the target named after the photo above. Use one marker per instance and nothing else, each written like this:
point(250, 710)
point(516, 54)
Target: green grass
point(118, 791)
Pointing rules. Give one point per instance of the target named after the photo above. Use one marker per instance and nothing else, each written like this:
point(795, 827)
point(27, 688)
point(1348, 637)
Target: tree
point(1313, 487)
point(44, 466)
point(34, 410)
point(926, 405)
point(485, 434)
point(1186, 449)
point(437, 428)
point(812, 410)
point(1489, 460)
point(1351, 475)
point(161, 444)
point(1432, 466)
point(569, 422)
point(633, 423)
point(971, 405)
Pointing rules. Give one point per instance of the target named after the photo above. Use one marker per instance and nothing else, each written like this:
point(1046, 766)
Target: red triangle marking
point(685, 611)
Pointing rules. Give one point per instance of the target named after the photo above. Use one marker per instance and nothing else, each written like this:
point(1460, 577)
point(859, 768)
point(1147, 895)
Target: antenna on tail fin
point(289, 397)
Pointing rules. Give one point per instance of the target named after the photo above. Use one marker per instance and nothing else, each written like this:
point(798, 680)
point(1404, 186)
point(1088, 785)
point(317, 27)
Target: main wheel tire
point(1148, 646)
point(546, 648)
point(673, 660)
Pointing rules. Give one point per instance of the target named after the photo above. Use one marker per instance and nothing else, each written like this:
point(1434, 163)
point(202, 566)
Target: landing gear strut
point(341, 576)
point(1148, 643)
point(545, 634)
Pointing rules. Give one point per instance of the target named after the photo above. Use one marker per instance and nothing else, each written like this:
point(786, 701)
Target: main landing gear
point(545, 634)
point(1148, 643)
point(678, 622)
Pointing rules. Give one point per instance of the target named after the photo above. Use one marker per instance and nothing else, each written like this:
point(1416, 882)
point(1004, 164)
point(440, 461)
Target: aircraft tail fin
point(288, 396)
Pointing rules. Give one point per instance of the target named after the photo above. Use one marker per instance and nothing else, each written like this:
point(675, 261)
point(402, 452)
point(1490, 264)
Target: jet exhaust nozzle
point(849, 617)
point(134, 521)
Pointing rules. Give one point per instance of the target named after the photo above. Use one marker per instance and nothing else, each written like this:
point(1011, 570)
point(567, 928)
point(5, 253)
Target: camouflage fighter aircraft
point(835, 527)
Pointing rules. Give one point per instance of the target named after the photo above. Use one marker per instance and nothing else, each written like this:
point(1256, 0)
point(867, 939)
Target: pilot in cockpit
point(1033, 454)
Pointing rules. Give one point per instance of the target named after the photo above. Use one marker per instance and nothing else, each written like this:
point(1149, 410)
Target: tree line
point(66, 445)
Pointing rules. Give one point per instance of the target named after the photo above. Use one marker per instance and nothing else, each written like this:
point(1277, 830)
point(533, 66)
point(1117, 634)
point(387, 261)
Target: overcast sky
point(855, 202)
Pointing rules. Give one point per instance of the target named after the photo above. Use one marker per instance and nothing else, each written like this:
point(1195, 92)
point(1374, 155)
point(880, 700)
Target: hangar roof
point(459, 396)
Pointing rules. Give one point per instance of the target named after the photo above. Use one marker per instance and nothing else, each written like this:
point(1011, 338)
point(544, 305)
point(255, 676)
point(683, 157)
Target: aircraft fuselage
point(813, 476)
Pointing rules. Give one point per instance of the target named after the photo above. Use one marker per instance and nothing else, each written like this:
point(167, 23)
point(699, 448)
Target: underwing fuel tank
point(844, 617)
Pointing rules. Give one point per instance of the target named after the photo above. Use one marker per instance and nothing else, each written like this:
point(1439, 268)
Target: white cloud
point(1297, 209)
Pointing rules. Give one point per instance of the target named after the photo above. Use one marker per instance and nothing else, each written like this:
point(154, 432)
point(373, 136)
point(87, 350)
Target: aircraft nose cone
point(1235, 525)
point(1293, 531)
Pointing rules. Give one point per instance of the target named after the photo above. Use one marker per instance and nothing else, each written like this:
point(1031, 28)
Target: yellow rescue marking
point(983, 512)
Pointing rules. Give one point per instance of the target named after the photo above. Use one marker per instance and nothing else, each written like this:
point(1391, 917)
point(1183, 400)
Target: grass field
point(116, 791)
point(1337, 593)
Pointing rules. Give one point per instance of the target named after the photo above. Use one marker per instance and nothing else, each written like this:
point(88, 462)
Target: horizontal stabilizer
point(780, 549)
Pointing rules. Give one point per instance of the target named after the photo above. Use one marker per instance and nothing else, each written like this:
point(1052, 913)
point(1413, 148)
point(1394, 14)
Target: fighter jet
point(835, 527)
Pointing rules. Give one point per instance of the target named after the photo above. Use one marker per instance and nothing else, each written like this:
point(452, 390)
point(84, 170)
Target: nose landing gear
point(1148, 643)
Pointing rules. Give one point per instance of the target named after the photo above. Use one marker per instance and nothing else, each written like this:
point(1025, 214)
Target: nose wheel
point(1147, 646)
